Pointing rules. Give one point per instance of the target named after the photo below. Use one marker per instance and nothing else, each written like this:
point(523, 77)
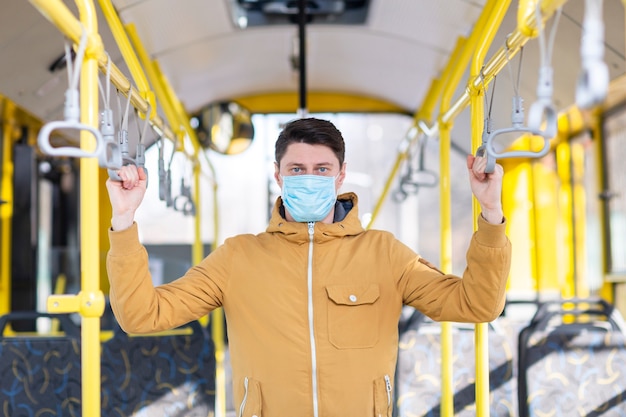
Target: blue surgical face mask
point(309, 198)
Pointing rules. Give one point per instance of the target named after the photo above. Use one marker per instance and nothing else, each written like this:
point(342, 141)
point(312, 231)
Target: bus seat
point(165, 374)
point(572, 360)
point(40, 373)
point(418, 376)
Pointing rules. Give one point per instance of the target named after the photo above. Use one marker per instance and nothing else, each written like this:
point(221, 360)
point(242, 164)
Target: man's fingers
point(129, 176)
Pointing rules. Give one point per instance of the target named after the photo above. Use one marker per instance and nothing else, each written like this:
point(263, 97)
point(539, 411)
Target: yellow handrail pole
point(123, 43)
point(425, 113)
point(608, 289)
point(481, 334)
point(6, 208)
point(153, 74)
point(92, 299)
point(499, 60)
point(452, 80)
point(514, 42)
point(58, 13)
point(452, 72)
point(121, 38)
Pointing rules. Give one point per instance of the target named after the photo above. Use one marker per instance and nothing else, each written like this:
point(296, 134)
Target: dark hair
point(313, 132)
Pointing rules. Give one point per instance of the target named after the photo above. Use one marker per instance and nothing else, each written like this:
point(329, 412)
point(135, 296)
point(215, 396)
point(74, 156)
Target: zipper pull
point(388, 388)
point(311, 229)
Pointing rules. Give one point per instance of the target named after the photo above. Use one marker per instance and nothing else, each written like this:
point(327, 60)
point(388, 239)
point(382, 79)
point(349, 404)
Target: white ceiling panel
point(164, 25)
point(403, 45)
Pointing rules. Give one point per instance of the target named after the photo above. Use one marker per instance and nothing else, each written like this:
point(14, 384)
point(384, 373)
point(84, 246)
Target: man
point(312, 305)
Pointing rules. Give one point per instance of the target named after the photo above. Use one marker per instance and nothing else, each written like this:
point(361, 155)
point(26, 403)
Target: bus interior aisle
point(197, 92)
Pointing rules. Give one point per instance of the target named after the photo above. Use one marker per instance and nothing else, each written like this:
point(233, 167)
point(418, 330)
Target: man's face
point(305, 159)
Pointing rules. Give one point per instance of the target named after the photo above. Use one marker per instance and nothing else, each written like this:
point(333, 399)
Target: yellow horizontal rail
point(501, 58)
point(63, 18)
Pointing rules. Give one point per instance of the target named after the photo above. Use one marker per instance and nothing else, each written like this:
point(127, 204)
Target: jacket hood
point(348, 225)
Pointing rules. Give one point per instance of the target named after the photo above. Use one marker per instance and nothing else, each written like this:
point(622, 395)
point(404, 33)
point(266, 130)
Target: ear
point(341, 176)
point(277, 177)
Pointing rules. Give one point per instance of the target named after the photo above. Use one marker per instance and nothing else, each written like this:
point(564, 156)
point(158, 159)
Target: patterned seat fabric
point(573, 361)
point(159, 375)
point(418, 377)
point(40, 374)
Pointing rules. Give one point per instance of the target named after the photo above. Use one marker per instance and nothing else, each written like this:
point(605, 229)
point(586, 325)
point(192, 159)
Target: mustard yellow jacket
point(312, 309)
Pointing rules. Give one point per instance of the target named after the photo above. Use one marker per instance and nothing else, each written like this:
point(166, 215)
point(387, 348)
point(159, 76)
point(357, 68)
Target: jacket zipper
point(311, 329)
point(245, 397)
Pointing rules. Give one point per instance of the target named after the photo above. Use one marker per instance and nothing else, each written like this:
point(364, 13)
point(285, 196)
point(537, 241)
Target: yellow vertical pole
point(607, 291)
point(563, 159)
point(450, 78)
point(477, 120)
point(6, 208)
point(89, 220)
point(579, 220)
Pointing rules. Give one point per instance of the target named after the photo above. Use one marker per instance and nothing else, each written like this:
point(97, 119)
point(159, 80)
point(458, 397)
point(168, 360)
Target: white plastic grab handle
point(491, 151)
point(491, 160)
point(43, 140)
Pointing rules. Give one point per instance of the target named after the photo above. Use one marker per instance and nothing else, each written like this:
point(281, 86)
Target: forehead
point(306, 154)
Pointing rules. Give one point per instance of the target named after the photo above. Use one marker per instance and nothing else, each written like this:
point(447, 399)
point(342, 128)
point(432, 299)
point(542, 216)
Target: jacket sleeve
point(478, 296)
point(139, 307)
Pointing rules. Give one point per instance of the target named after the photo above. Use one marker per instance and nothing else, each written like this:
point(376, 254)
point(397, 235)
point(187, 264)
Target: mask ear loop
point(71, 111)
point(111, 156)
point(543, 105)
point(593, 81)
point(517, 122)
point(482, 149)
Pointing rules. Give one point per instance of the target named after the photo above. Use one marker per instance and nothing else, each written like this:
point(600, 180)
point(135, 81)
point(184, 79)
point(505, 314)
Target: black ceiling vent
point(248, 13)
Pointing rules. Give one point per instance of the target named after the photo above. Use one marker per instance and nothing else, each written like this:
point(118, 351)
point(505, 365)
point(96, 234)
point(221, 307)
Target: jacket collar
point(346, 222)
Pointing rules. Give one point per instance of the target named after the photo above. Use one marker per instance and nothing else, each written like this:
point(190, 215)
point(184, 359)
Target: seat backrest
point(170, 373)
point(418, 376)
point(40, 373)
point(572, 361)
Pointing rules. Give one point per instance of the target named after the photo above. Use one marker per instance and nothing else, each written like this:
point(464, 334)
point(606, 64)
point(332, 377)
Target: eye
point(323, 170)
point(296, 170)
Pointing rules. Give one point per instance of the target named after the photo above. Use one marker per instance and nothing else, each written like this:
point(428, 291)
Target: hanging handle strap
point(71, 113)
point(517, 122)
point(481, 151)
point(110, 157)
point(543, 108)
point(140, 158)
point(184, 202)
point(593, 81)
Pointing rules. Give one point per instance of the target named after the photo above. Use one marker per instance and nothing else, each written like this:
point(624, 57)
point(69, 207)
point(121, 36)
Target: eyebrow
point(298, 164)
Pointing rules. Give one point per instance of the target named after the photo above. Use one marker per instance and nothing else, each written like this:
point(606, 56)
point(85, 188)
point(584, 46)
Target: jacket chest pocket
point(353, 315)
